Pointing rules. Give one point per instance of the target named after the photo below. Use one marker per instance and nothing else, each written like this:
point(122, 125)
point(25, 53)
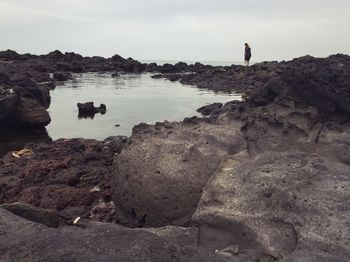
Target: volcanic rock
point(61, 174)
point(209, 109)
point(29, 241)
point(88, 109)
point(8, 102)
point(62, 76)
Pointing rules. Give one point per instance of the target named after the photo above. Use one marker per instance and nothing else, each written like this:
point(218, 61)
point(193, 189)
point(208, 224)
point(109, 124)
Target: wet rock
point(62, 76)
point(115, 74)
point(209, 109)
point(28, 112)
point(88, 109)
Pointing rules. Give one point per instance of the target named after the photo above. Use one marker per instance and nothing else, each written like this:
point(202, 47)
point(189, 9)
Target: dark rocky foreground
point(261, 180)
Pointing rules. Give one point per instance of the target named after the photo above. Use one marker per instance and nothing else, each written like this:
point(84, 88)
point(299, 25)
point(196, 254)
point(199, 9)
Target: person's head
point(246, 45)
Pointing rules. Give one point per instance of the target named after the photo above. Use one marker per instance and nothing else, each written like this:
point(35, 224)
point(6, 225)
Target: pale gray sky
point(201, 30)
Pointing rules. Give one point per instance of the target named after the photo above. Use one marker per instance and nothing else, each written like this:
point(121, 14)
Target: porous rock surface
point(163, 170)
point(69, 176)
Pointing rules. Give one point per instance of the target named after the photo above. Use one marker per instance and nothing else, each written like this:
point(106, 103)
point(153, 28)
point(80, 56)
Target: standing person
point(247, 54)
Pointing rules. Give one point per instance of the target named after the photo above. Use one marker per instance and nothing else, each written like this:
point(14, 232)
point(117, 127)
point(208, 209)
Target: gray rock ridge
point(23, 240)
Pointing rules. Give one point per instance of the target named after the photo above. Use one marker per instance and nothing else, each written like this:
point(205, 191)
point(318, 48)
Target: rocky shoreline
point(265, 179)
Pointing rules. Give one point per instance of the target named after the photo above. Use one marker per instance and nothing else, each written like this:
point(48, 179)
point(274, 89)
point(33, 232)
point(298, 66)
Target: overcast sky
point(200, 30)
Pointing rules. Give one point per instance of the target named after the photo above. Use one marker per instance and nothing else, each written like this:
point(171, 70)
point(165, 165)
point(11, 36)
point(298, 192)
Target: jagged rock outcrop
point(70, 176)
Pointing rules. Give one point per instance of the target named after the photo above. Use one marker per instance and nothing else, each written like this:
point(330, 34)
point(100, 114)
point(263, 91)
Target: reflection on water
point(130, 100)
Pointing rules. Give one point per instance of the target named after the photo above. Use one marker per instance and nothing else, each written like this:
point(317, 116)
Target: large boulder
point(159, 177)
point(28, 112)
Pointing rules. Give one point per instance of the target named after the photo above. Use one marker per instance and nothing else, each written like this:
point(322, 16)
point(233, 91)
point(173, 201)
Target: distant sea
point(213, 63)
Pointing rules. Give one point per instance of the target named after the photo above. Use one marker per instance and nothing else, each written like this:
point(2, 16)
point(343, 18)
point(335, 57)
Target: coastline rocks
point(28, 112)
point(62, 174)
point(10, 55)
point(62, 76)
point(209, 109)
point(89, 110)
point(329, 78)
point(115, 74)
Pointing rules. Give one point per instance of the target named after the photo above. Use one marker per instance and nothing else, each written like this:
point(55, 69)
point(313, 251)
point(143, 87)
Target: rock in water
point(89, 110)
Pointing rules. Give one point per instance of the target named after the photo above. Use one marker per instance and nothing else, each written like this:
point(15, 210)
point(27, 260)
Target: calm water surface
point(130, 100)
